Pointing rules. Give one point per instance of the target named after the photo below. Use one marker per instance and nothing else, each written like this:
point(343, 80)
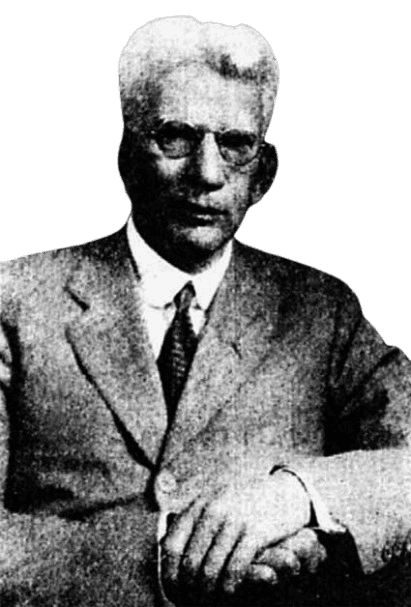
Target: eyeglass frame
point(199, 133)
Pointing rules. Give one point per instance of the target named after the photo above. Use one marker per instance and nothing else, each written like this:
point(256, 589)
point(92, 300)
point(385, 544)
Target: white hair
point(158, 47)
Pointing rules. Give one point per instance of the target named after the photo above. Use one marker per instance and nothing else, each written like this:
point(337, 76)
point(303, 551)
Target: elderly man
point(184, 418)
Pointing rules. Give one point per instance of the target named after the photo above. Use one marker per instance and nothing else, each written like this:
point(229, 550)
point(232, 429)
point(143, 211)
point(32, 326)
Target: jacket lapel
point(111, 343)
point(112, 346)
point(240, 333)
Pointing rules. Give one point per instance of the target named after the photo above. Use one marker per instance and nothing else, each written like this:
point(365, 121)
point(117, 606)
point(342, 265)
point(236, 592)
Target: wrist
point(320, 516)
point(297, 498)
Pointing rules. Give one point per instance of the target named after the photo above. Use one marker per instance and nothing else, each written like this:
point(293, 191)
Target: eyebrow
point(203, 127)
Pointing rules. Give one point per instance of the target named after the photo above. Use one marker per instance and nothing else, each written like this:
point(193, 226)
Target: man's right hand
point(300, 554)
point(311, 567)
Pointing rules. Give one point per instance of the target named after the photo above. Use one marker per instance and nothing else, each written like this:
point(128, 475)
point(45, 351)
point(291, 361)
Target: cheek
point(168, 170)
point(241, 190)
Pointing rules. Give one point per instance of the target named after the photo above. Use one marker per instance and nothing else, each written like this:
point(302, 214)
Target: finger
point(238, 564)
point(310, 551)
point(173, 546)
point(204, 535)
point(282, 559)
point(261, 574)
point(217, 556)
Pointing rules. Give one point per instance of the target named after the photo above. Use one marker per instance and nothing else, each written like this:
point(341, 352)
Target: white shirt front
point(160, 283)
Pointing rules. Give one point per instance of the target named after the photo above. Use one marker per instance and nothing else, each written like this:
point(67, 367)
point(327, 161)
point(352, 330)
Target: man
point(185, 418)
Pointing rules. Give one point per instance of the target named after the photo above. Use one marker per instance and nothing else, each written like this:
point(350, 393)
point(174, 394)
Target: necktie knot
point(184, 297)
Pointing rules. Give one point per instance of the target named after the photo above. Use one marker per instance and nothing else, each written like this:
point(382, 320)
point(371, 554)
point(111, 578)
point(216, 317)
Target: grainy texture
point(287, 371)
point(287, 374)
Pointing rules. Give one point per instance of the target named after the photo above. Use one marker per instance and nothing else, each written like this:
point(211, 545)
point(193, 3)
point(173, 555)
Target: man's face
point(191, 206)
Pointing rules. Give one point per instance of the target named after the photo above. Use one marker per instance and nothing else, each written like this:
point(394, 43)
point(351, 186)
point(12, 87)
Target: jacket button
point(165, 483)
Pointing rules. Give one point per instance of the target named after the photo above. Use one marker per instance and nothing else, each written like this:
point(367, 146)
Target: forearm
point(34, 553)
point(107, 559)
point(369, 492)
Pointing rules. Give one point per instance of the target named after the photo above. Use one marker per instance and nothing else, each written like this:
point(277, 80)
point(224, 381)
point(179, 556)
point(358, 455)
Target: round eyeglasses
point(178, 140)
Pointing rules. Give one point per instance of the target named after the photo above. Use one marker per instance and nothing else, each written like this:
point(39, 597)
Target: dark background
point(342, 127)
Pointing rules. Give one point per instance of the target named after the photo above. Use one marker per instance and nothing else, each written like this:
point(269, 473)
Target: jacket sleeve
point(366, 477)
point(104, 559)
point(27, 543)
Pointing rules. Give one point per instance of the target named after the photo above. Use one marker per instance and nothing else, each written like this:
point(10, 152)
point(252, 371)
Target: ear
point(265, 172)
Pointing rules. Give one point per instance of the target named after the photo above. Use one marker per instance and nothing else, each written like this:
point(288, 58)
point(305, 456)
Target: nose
point(209, 165)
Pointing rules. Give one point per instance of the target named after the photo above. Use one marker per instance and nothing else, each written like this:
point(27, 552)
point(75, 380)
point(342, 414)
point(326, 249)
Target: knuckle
point(210, 571)
point(290, 562)
point(215, 510)
point(284, 561)
point(290, 558)
point(170, 547)
point(169, 579)
point(262, 573)
point(303, 543)
point(230, 584)
point(235, 572)
point(307, 537)
point(322, 553)
point(190, 565)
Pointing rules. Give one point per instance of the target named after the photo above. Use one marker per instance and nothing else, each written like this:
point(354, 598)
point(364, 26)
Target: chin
point(205, 239)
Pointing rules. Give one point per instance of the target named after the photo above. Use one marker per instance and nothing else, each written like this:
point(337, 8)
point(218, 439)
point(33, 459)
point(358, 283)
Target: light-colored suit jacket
point(287, 371)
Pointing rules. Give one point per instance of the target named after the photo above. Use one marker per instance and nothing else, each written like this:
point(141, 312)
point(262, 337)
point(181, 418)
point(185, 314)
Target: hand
point(312, 567)
point(301, 554)
point(211, 544)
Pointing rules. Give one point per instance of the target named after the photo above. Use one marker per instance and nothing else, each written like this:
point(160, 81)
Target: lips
point(197, 214)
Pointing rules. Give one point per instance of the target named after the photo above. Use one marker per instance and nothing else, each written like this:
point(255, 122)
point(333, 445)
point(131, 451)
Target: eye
point(238, 140)
point(176, 139)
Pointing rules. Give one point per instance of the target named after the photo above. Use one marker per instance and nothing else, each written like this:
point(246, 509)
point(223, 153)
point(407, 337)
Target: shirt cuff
point(320, 519)
point(320, 515)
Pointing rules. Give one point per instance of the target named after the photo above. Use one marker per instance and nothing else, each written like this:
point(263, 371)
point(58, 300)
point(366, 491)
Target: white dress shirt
point(160, 283)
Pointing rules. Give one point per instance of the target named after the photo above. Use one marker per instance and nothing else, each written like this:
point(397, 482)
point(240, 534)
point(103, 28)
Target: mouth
point(196, 214)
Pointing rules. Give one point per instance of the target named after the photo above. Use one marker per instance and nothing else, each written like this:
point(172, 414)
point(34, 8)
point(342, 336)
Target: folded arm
point(363, 479)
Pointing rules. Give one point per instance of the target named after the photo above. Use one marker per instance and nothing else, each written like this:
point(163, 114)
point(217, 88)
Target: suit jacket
point(287, 371)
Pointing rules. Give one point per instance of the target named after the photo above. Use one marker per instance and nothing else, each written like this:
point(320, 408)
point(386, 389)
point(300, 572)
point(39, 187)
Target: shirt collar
point(161, 281)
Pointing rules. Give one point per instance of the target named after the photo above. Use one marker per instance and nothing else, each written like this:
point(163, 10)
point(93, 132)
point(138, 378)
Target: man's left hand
point(209, 547)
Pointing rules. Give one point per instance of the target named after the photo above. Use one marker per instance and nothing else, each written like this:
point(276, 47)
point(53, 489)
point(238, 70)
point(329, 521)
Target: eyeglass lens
point(178, 139)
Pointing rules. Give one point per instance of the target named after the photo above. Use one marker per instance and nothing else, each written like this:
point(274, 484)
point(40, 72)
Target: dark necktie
point(178, 350)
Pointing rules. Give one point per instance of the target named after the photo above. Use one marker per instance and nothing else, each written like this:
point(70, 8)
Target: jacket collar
point(111, 342)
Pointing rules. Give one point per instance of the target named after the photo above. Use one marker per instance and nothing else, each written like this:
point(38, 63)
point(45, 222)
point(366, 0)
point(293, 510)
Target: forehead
point(198, 95)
